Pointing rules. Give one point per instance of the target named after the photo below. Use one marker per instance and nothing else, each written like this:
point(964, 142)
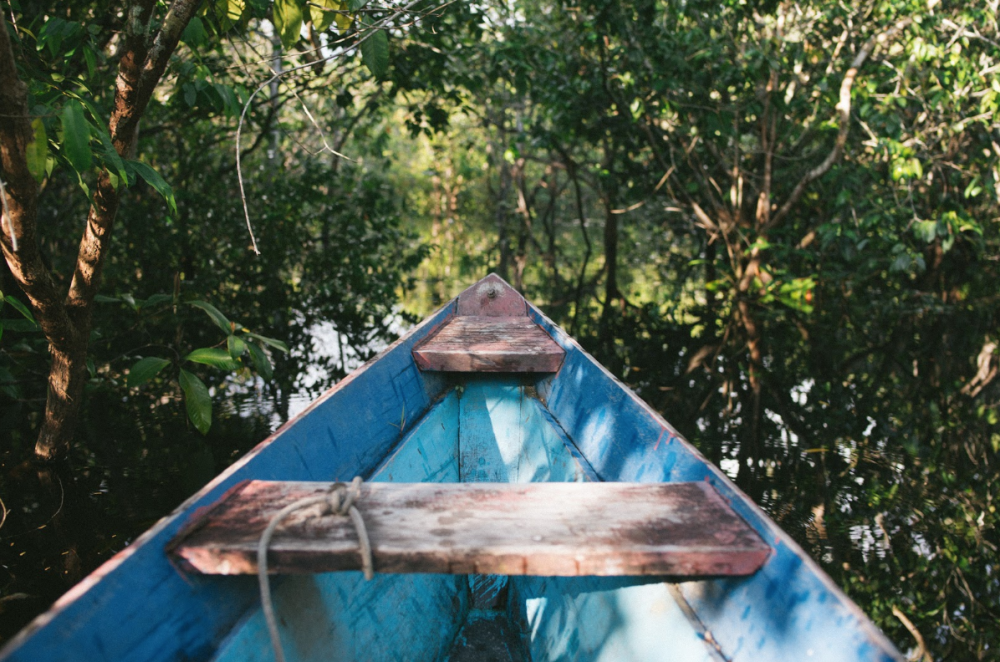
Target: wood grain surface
point(547, 529)
point(489, 344)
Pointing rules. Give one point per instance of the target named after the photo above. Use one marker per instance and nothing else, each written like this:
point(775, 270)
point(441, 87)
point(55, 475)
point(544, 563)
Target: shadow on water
point(134, 460)
point(130, 466)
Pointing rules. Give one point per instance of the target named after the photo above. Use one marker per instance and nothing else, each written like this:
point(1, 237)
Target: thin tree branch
point(844, 112)
point(372, 30)
point(20, 197)
point(921, 654)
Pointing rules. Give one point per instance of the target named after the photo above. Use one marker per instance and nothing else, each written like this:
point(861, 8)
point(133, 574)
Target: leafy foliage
point(626, 165)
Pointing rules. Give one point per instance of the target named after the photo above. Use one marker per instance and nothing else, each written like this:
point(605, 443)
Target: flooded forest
point(776, 221)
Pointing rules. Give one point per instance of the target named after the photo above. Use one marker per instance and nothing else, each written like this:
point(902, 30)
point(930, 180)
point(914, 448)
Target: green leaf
point(194, 34)
point(236, 346)
point(76, 137)
point(260, 361)
point(144, 370)
point(20, 326)
point(322, 13)
point(112, 160)
point(153, 179)
point(375, 53)
point(220, 320)
point(925, 230)
point(229, 10)
point(91, 58)
point(355, 5)
point(156, 300)
point(196, 400)
point(38, 151)
point(7, 382)
point(21, 308)
point(343, 19)
point(277, 344)
point(213, 356)
point(287, 19)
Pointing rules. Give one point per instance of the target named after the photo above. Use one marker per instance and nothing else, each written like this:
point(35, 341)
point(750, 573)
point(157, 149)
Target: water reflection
point(136, 458)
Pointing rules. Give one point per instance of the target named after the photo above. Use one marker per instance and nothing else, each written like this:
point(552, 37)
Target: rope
point(338, 501)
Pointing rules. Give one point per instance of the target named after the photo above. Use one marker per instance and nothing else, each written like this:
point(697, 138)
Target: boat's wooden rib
point(545, 529)
point(489, 344)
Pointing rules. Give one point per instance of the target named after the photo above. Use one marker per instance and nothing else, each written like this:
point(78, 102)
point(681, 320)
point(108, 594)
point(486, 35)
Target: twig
point(6, 217)
point(921, 654)
point(319, 129)
point(374, 28)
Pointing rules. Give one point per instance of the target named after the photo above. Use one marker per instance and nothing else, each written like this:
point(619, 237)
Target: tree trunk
point(66, 320)
point(67, 375)
point(611, 292)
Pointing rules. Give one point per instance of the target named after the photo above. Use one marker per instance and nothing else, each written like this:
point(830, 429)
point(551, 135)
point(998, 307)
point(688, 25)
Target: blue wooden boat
point(446, 405)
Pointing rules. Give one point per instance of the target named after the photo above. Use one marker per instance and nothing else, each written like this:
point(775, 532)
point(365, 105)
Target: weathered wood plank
point(549, 529)
point(491, 297)
point(489, 344)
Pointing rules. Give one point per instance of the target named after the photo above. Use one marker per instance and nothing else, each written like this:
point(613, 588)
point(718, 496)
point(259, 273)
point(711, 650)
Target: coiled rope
point(338, 501)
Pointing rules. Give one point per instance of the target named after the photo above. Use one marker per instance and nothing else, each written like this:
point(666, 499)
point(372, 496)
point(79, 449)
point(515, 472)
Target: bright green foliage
point(38, 151)
point(197, 400)
point(154, 179)
point(288, 21)
point(76, 137)
point(220, 320)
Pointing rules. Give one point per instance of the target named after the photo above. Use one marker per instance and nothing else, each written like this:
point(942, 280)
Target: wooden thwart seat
point(490, 331)
point(489, 344)
point(548, 529)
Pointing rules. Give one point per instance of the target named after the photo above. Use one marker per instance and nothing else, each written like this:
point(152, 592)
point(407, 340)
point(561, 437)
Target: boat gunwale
point(760, 521)
point(211, 492)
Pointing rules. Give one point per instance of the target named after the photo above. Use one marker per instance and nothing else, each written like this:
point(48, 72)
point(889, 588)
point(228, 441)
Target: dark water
point(63, 521)
point(136, 458)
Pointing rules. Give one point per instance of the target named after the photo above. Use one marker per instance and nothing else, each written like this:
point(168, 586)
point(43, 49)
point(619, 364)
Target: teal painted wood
point(591, 619)
point(509, 435)
point(138, 607)
point(340, 616)
point(506, 436)
point(429, 452)
point(790, 609)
